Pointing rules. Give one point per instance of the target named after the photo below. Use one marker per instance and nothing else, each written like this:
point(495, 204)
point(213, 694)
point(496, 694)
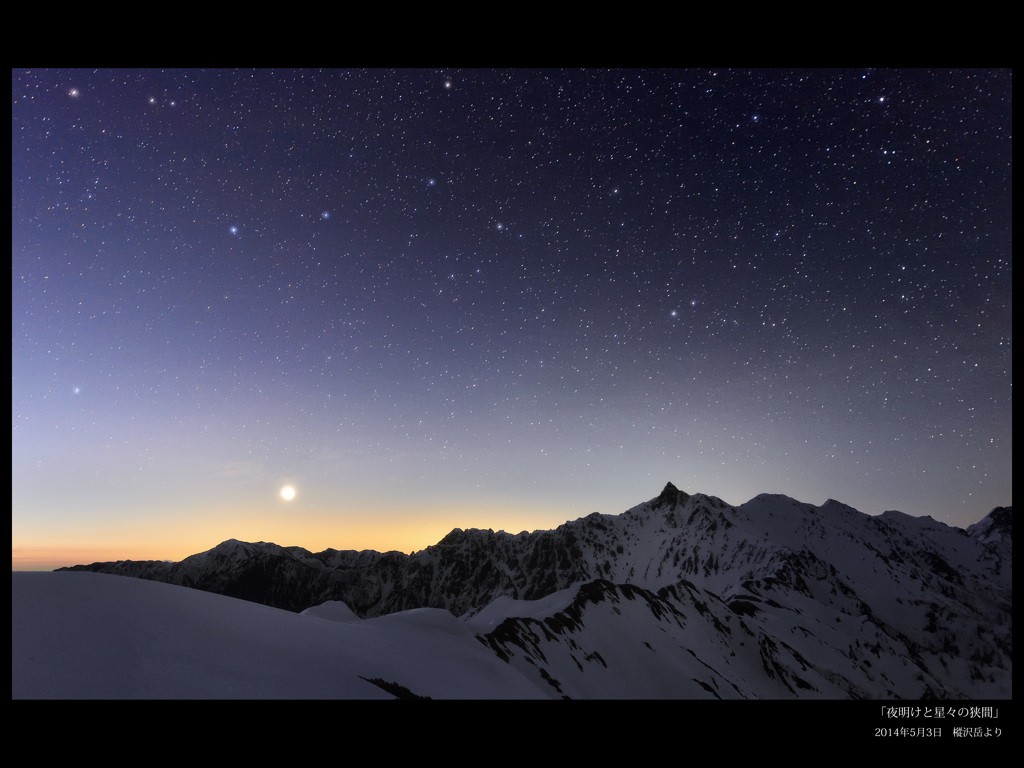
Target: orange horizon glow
point(382, 533)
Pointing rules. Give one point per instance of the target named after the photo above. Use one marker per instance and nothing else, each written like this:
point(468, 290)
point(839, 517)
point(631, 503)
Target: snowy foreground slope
point(680, 597)
point(92, 635)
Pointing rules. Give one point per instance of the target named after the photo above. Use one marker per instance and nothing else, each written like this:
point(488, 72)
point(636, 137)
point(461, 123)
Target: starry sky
point(427, 299)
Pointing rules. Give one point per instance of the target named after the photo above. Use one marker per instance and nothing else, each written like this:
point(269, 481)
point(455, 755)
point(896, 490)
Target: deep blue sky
point(499, 299)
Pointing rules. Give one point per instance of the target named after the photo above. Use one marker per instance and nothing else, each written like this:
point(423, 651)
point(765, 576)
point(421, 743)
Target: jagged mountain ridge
point(463, 572)
point(674, 536)
point(801, 582)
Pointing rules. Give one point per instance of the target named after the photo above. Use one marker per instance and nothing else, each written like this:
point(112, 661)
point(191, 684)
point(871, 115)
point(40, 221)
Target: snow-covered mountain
point(95, 636)
point(681, 596)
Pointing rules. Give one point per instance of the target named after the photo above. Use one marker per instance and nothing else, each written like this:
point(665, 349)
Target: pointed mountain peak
point(996, 525)
point(670, 497)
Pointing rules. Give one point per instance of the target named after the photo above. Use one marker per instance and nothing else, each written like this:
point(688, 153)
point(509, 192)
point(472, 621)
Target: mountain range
point(683, 596)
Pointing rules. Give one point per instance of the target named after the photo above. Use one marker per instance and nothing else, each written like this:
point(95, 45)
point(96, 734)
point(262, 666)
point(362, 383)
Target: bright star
point(325, 215)
point(233, 230)
point(287, 493)
point(73, 93)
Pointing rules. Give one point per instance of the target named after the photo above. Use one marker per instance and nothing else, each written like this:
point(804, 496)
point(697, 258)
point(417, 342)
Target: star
point(373, 329)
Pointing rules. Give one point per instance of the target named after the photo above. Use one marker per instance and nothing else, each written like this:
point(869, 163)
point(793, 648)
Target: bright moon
point(287, 493)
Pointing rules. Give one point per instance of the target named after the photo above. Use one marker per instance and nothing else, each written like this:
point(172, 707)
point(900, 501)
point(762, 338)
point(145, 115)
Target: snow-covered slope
point(787, 599)
point(92, 635)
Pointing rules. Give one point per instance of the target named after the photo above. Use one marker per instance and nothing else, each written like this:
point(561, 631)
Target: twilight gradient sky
point(498, 299)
